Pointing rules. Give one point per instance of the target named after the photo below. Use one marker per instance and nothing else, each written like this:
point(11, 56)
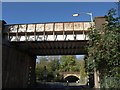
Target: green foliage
point(104, 48)
point(110, 82)
point(82, 69)
point(68, 63)
point(55, 67)
point(52, 67)
point(40, 68)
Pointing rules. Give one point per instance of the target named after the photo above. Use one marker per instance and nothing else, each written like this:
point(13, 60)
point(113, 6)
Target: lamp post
point(89, 13)
point(91, 19)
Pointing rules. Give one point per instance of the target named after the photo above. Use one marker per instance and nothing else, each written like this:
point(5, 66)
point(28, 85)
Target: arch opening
point(72, 78)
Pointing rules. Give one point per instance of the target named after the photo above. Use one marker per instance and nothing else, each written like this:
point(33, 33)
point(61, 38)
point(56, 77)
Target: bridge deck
point(63, 38)
point(72, 47)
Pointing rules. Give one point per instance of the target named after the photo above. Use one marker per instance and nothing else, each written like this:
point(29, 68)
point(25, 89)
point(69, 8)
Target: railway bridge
point(21, 43)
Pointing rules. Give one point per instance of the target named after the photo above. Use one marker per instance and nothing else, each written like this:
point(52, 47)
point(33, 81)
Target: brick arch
point(75, 75)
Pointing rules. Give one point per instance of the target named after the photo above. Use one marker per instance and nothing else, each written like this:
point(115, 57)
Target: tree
point(40, 68)
point(104, 48)
point(68, 63)
point(52, 66)
point(82, 69)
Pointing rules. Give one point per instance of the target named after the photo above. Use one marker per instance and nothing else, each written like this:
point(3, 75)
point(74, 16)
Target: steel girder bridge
point(58, 38)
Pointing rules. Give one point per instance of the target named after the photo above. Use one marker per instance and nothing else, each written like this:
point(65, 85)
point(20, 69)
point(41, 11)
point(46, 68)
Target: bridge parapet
point(47, 31)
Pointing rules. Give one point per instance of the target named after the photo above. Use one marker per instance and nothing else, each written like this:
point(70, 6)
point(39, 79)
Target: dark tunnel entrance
point(71, 78)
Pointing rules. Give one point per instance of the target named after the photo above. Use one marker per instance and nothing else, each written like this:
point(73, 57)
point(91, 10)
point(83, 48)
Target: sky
point(59, 0)
point(40, 12)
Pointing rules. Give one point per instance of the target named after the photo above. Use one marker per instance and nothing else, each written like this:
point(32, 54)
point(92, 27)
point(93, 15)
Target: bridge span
point(60, 38)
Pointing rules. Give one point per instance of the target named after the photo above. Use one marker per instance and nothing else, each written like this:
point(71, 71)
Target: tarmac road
point(58, 86)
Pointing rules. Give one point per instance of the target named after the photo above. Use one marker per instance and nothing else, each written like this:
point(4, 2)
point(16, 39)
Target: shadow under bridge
point(72, 47)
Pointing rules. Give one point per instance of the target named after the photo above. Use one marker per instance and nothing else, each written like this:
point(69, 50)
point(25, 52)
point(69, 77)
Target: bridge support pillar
point(18, 66)
point(99, 21)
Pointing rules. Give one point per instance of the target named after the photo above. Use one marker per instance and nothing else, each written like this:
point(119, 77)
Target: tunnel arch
point(75, 75)
point(71, 78)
